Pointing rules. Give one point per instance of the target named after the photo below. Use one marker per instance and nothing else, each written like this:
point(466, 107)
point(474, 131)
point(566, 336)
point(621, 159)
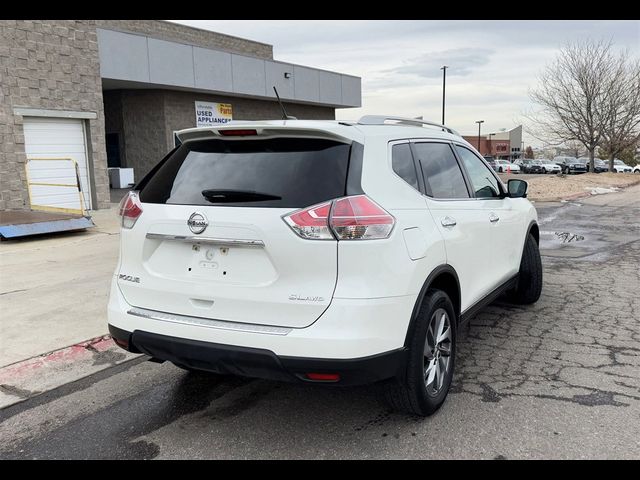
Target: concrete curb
point(34, 376)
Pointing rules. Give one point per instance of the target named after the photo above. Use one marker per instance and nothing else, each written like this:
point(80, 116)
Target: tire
point(529, 284)
point(544, 171)
point(409, 392)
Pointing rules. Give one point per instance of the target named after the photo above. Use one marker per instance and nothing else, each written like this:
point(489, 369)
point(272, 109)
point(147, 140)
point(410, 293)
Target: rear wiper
point(227, 196)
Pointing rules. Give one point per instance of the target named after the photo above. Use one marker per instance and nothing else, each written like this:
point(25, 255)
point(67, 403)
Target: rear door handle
point(448, 222)
point(493, 218)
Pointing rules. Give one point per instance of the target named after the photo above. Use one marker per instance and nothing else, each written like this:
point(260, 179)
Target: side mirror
point(517, 188)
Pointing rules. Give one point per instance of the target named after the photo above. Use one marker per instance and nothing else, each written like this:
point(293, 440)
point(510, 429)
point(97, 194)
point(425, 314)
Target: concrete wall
point(149, 118)
point(47, 65)
point(130, 60)
point(191, 36)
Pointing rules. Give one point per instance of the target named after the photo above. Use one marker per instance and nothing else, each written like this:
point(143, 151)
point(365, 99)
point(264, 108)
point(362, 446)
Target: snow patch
point(602, 190)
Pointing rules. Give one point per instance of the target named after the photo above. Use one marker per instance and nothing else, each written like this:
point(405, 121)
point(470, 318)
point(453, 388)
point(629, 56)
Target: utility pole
point(444, 81)
point(479, 122)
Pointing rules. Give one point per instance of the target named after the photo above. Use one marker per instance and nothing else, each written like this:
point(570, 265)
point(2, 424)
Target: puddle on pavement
point(563, 237)
point(565, 243)
point(568, 237)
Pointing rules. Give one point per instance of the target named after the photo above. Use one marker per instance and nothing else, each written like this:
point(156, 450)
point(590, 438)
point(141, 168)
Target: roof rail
point(381, 119)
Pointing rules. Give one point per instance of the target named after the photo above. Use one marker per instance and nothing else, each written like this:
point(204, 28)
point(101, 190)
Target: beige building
point(110, 93)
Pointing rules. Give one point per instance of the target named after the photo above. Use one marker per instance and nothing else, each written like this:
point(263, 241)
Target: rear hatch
point(211, 241)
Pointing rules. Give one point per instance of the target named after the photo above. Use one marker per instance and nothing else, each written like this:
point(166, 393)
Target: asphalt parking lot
point(558, 379)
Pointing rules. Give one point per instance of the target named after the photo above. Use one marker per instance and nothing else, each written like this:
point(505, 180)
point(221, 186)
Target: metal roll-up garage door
point(59, 138)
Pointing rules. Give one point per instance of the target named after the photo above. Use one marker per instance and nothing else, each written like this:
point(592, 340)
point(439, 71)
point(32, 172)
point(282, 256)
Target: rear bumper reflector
point(209, 322)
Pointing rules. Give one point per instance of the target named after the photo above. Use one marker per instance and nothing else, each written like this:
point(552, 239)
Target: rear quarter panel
point(385, 268)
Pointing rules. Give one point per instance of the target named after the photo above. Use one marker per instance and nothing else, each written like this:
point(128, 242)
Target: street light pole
point(479, 122)
point(444, 80)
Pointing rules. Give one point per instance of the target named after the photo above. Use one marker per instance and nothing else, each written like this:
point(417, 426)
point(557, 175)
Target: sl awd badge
point(197, 222)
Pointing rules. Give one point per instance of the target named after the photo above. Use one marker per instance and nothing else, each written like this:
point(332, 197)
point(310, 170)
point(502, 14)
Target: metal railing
point(416, 122)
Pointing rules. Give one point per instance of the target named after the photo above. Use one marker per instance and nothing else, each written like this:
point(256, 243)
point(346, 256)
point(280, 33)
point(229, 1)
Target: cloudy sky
point(492, 64)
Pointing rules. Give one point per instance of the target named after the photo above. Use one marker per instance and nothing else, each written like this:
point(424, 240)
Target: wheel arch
point(445, 278)
point(534, 230)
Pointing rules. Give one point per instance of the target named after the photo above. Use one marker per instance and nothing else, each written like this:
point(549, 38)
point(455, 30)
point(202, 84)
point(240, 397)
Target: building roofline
point(216, 32)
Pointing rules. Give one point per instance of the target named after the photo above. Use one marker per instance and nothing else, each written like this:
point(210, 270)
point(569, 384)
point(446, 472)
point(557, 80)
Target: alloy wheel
point(437, 351)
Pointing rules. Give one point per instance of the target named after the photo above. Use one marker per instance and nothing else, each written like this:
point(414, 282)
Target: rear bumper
point(363, 338)
point(258, 362)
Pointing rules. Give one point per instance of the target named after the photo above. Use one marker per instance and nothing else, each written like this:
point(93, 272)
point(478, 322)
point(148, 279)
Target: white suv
point(329, 252)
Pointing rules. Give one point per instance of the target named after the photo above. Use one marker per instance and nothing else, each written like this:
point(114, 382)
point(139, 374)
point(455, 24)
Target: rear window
point(283, 172)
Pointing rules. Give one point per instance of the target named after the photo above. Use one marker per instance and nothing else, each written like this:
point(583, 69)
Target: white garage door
point(46, 137)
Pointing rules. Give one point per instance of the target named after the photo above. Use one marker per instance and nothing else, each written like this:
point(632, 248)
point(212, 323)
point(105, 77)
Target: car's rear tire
point(424, 386)
point(529, 284)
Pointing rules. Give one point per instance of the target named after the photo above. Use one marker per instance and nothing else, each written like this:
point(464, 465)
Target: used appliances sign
point(209, 114)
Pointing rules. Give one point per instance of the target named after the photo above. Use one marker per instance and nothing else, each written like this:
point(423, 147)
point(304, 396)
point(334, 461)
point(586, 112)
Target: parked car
point(598, 165)
point(320, 252)
point(570, 164)
point(491, 161)
point(620, 167)
point(504, 166)
point(529, 166)
point(548, 166)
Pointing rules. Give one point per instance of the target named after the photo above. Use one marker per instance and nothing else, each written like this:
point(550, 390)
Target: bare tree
point(576, 96)
point(528, 152)
point(574, 147)
point(623, 97)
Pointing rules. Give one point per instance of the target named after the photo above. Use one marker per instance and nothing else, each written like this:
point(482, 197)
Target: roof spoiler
point(261, 130)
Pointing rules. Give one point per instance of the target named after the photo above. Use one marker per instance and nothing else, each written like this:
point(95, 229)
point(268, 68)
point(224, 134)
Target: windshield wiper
point(228, 196)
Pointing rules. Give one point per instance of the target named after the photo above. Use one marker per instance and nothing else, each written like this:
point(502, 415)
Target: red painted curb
point(57, 358)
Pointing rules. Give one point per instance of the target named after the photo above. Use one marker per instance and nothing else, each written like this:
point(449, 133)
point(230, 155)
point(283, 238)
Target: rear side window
point(442, 175)
point(402, 164)
point(282, 173)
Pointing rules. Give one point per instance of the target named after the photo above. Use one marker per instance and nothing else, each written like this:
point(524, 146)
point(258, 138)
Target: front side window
point(484, 183)
point(442, 175)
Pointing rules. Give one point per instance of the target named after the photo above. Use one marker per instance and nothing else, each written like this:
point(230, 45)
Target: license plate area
point(211, 261)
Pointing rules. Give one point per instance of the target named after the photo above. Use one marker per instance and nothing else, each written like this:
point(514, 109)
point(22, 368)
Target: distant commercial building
point(506, 145)
point(111, 93)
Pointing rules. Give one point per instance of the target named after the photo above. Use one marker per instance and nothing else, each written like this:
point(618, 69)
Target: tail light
point(360, 218)
point(130, 210)
point(311, 222)
point(238, 133)
point(348, 218)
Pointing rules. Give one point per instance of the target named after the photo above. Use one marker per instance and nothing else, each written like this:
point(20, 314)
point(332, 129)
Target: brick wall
point(143, 130)
point(493, 147)
point(47, 65)
point(193, 36)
